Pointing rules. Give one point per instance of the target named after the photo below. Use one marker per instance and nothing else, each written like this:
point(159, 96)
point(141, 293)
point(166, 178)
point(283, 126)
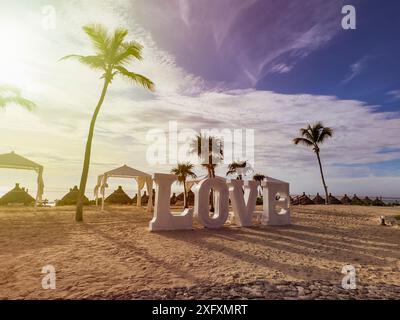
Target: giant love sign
point(243, 196)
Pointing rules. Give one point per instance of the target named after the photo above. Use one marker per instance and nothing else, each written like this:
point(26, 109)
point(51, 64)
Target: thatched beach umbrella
point(118, 197)
point(134, 200)
point(71, 197)
point(17, 195)
point(378, 202)
point(145, 198)
point(190, 199)
point(345, 200)
point(356, 201)
point(318, 199)
point(333, 200)
point(305, 200)
point(173, 199)
point(367, 201)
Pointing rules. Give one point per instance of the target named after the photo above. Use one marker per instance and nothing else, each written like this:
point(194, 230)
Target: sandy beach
point(112, 254)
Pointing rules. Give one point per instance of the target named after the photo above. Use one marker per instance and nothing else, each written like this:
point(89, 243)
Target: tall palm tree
point(259, 177)
point(184, 171)
point(112, 56)
point(238, 168)
point(313, 136)
point(12, 95)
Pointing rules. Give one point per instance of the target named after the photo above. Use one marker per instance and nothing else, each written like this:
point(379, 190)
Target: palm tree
point(112, 55)
point(313, 136)
point(238, 168)
point(12, 95)
point(209, 149)
point(259, 177)
point(211, 154)
point(184, 171)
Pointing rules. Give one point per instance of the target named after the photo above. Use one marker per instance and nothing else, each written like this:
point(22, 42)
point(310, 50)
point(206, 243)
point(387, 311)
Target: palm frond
point(18, 100)
point(304, 141)
point(116, 41)
point(8, 88)
point(99, 37)
point(128, 51)
point(136, 78)
point(324, 133)
point(93, 62)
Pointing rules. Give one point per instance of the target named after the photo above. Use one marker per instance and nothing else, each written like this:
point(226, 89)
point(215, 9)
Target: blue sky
point(374, 46)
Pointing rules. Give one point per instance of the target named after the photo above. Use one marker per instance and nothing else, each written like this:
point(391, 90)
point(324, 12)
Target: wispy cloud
point(394, 94)
point(281, 68)
point(356, 69)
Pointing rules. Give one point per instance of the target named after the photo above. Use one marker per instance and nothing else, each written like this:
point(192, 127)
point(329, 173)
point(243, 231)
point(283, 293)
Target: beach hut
point(333, 200)
point(71, 198)
point(118, 197)
point(14, 161)
point(318, 199)
point(378, 202)
point(17, 195)
point(356, 201)
point(345, 200)
point(142, 179)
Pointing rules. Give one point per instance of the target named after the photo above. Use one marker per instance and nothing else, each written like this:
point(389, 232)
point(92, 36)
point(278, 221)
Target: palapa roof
point(333, 200)
point(71, 198)
point(15, 161)
point(173, 198)
point(126, 171)
point(346, 200)
point(367, 201)
point(305, 200)
point(318, 199)
point(17, 195)
point(118, 197)
point(378, 202)
point(190, 199)
point(356, 200)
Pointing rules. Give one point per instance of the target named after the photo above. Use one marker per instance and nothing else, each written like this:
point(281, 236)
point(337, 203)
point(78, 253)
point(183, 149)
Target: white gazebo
point(141, 178)
point(14, 161)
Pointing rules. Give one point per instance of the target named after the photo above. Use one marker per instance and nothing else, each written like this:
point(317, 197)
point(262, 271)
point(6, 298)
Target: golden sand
point(112, 251)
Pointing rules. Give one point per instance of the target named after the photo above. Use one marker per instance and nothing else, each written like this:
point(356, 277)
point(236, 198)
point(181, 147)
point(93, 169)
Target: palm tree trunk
point(323, 179)
point(212, 175)
point(86, 162)
point(185, 196)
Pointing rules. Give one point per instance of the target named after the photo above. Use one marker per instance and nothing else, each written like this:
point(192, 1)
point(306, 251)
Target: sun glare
point(13, 47)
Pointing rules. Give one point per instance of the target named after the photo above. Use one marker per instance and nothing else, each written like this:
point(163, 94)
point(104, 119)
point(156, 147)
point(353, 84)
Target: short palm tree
point(12, 95)
point(313, 136)
point(259, 177)
point(112, 56)
point(210, 151)
point(237, 168)
point(184, 171)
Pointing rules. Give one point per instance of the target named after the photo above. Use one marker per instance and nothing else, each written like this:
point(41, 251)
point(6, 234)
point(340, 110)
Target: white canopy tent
point(14, 161)
point(141, 178)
